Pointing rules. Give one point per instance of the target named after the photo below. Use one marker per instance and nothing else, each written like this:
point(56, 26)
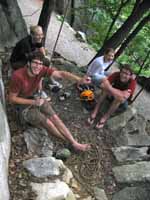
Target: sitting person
point(96, 69)
point(26, 48)
point(119, 88)
point(37, 111)
point(31, 44)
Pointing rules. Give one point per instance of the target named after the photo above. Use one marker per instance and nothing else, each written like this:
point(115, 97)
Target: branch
point(115, 18)
point(132, 35)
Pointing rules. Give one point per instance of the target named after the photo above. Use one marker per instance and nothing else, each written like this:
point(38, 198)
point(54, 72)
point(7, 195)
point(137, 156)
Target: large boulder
point(4, 147)
point(12, 25)
point(43, 167)
point(38, 142)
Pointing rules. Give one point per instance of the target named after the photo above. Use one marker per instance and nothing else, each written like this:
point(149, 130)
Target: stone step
point(126, 153)
point(138, 172)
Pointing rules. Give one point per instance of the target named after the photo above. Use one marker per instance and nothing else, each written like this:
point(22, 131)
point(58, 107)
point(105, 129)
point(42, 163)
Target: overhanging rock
point(4, 148)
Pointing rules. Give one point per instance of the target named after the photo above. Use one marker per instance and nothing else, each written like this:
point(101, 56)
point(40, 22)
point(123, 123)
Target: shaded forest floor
point(93, 168)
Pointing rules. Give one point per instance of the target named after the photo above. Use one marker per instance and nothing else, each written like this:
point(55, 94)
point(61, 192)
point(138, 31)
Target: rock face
point(121, 119)
point(2, 92)
point(12, 25)
point(42, 167)
point(38, 142)
point(57, 190)
point(4, 150)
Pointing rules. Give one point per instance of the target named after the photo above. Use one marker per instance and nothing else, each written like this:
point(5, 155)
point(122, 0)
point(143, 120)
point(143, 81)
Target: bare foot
point(81, 147)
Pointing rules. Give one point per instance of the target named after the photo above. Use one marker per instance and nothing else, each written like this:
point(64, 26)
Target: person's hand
point(85, 80)
point(123, 95)
point(39, 102)
point(126, 94)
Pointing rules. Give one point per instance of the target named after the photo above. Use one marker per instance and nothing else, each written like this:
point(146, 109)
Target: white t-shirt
point(98, 66)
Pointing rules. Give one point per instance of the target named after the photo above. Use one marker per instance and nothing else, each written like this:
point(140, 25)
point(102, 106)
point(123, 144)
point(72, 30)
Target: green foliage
point(98, 28)
point(100, 15)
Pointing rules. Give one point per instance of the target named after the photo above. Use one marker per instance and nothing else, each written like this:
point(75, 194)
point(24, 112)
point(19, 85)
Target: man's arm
point(118, 94)
point(13, 98)
point(70, 76)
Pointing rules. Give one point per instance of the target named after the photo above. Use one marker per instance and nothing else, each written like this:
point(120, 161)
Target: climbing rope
point(60, 29)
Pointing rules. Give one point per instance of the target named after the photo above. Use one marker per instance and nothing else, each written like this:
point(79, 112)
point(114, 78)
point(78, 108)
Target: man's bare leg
point(66, 133)
point(97, 107)
point(115, 104)
point(49, 125)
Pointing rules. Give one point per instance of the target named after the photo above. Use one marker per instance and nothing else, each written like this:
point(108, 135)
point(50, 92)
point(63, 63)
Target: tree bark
point(48, 7)
point(132, 35)
point(115, 18)
point(142, 66)
point(72, 15)
point(140, 8)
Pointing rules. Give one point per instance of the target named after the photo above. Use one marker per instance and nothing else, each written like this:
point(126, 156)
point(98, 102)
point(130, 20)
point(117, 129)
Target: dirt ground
point(93, 168)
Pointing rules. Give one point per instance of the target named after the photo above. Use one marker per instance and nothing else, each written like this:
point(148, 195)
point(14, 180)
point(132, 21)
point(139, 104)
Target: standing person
point(38, 112)
point(96, 69)
point(118, 88)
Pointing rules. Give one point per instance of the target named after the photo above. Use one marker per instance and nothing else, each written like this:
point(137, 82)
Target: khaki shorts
point(38, 115)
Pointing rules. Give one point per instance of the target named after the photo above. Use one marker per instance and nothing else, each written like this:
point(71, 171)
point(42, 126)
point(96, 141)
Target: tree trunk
point(118, 37)
point(48, 7)
point(132, 35)
point(115, 18)
point(72, 14)
point(143, 64)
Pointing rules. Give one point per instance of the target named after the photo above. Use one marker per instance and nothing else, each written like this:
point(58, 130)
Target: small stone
point(63, 154)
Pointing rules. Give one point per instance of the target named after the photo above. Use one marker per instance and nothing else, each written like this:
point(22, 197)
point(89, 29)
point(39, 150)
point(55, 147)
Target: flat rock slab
point(138, 140)
point(43, 167)
point(135, 140)
point(139, 172)
point(133, 193)
point(38, 142)
point(57, 190)
point(125, 153)
point(120, 120)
